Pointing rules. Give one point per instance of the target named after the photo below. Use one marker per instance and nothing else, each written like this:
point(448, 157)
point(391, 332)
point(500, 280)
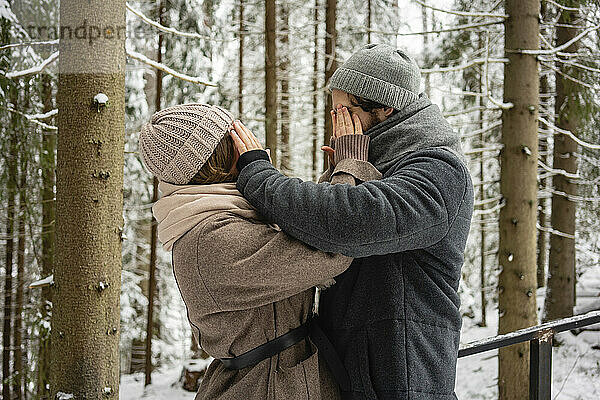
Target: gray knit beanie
point(380, 73)
point(178, 140)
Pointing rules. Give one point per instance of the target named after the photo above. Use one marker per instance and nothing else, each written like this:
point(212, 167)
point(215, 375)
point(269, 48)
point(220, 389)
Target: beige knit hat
point(178, 140)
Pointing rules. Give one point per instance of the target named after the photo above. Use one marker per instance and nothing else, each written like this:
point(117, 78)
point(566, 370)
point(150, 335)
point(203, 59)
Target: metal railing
point(540, 349)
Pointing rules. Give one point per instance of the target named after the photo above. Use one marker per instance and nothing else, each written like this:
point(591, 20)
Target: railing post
point(540, 365)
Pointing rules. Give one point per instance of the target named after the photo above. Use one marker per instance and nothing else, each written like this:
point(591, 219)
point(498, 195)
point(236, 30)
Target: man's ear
point(388, 111)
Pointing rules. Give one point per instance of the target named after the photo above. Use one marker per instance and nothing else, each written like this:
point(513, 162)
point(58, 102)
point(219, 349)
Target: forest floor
point(575, 371)
point(575, 363)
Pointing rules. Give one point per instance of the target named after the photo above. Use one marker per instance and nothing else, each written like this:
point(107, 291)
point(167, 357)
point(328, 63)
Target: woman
point(243, 280)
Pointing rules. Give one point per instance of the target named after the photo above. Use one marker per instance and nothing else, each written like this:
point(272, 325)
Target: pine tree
point(48, 165)
point(89, 203)
point(560, 298)
point(271, 79)
point(518, 185)
point(284, 78)
point(330, 66)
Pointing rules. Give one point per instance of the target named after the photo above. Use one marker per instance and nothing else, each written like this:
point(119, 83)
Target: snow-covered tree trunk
point(560, 295)
point(518, 184)
point(89, 200)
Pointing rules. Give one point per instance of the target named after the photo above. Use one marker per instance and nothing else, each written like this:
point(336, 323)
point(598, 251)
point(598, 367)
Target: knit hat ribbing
point(178, 140)
point(380, 73)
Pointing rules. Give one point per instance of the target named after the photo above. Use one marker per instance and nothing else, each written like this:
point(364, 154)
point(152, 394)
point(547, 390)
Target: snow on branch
point(36, 118)
point(165, 28)
point(492, 210)
point(555, 171)
point(45, 115)
point(464, 66)
point(33, 70)
point(140, 57)
point(483, 130)
point(554, 231)
point(47, 281)
point(575, 64)
point(569, 77)
point(11, 45)
point(570, 134)
point(485, 149)
point(487, 201)
point(572, 197)
point(555, 50)
point(462, 13)
point(451, 29)
point(561, 6)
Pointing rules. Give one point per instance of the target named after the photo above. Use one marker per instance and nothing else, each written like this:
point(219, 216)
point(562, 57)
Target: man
point(393, 316)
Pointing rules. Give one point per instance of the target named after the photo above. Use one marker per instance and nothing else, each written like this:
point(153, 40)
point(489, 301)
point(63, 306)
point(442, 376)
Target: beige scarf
point(181, 207)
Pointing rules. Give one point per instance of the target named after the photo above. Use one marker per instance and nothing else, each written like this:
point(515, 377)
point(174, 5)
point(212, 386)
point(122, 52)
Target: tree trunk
point(151, 283)
point(542, 256)
point(48, 165)
point(482, 246)
point(241, 63)
point(271, 79)
point(162, 9)
point(518, 185)
point(369, 27)
point(89, 201)
point(425, 26)
point(11, 186)
point(560, 296)
point(315, 96)
point(284, 78)
point(19, 370)
point(330, 67)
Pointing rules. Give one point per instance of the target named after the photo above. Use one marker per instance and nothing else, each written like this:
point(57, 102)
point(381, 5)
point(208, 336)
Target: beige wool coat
point(245, 282)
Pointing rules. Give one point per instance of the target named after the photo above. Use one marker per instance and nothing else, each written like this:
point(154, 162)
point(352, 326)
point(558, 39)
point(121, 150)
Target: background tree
point(518, 183)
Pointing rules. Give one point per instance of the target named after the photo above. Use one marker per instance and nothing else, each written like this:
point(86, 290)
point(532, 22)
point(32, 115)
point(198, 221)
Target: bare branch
point(140, 57)
point(569, 77)
point(554, 171)
point(555, 50)
point(570, 134)
point(452, 29)
point(554, 231)
point(164, 28)
point(12, 45)
point(469, 64)
point(561, 6)
point(33, 118)
point(462, 13)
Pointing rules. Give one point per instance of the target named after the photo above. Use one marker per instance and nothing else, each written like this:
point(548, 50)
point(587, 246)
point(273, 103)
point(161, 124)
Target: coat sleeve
point(257, 264)
point(410, 209)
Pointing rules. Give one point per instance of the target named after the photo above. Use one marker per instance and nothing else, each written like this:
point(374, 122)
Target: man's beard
point(373, 120)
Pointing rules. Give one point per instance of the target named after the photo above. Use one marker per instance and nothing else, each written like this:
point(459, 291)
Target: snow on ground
point(164, 386)
point(575, 365)
point(575, 371)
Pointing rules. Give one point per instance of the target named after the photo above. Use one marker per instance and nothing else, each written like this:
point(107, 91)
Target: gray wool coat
point(393, 315)
point(245, 283)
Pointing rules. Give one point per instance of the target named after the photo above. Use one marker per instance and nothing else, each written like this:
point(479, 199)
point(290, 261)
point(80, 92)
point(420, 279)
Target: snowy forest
point(82, 269)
